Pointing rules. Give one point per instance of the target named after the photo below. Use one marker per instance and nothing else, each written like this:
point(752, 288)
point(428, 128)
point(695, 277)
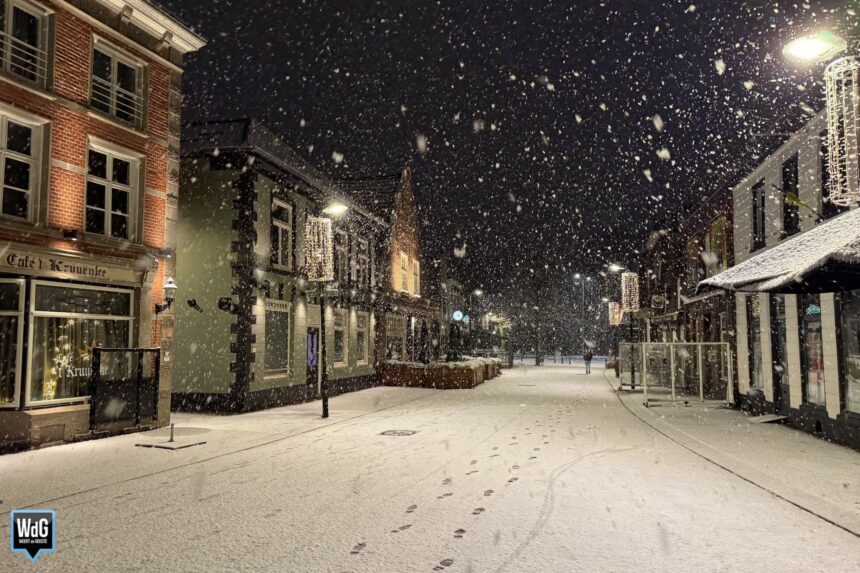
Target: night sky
point(543, 153)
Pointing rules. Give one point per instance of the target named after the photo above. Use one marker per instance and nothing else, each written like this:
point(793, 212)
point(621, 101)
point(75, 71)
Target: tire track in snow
point(549, 501)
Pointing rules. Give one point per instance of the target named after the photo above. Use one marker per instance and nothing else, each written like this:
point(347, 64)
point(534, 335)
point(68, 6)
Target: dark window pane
point(121, 171)
point(95, 195)
point(126, 77)
point(14, 203)
point(98, 164)
point(9, 299)
point(17, 174)
point(24, 47)
point(125, 108)
point(119, 226)
point(19, 138)
point(277, 341)
point(119, 201)
point(62, 299)
point(95, 221)
point(25, 28)
point(101, 65)
point(276, 245)
point(8, 357)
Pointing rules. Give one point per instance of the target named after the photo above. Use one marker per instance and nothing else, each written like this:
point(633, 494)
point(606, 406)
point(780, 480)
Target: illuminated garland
point(629, 292)
point(319, 250)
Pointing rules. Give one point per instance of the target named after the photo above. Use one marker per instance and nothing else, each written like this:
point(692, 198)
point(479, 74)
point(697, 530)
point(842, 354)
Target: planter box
point(441, 376)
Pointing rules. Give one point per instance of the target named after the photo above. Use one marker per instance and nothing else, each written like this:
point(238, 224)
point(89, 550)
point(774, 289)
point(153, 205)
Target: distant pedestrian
point(587, 357)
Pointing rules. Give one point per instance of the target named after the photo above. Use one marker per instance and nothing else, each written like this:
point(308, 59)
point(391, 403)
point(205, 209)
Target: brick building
point(90, 97)
point(411, 330)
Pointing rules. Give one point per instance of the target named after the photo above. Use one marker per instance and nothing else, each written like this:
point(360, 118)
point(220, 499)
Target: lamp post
point(582, 280)
point(334, 209)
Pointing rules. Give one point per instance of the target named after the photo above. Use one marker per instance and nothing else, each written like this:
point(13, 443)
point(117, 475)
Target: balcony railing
point(23, 60)
point(121, 104)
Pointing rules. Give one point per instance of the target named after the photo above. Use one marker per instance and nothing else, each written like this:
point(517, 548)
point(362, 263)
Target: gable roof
point(378, 194)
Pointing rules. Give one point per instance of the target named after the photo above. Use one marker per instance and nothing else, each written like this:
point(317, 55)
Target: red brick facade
point(58, 107)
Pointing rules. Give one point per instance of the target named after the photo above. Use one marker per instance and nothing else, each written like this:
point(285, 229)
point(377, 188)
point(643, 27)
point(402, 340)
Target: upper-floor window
point(116, 84)
point(19, 166)
point(341, 256)
point(790, 197)
point(416, 277)
point(282, 234)
point(112, 182)
point(758, 215)
point(404, 272)
point(716, 253)
point(362, 263)
point(22, 40)
point(828, 208)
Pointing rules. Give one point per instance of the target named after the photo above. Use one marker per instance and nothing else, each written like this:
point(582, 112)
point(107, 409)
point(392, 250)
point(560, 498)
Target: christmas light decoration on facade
point(319, 249)
point(615, 313)
point(629, 292)
point(841, 80)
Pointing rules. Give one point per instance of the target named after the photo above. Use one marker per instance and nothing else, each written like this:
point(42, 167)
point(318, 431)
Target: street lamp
point(615, 268)
point(815, 48)
point(334, 209)
point(583, 280)
point(169, 296)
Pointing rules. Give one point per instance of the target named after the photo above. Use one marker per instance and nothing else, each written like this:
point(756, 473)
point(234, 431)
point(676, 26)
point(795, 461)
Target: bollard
point(171, 432)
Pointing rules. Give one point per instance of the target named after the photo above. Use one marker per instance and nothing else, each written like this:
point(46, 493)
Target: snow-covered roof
point(823, 259)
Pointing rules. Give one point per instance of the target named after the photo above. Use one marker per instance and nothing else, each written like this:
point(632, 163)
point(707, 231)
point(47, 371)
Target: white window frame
point(37, 128)
point(41, 13)
point(135, 165)
point(283, 227)
point(273, 305)
point(362, 358)
point(82, 315)
point(416, 277)
point(404, 272)
point(340, 312)
point(19, 358)
point(118, 55)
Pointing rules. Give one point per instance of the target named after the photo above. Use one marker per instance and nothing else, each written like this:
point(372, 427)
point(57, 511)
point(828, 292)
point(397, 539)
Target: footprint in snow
point(478, 511)
point(446, 481)
point(515, 467)
point(357, 549)
point(533, 458)
point(488, 493)
point(512, 480)
point(444, 563)
point(471, 472)
point(444, 495)
point(459, 534)
point(411, 508)
point(401, 528)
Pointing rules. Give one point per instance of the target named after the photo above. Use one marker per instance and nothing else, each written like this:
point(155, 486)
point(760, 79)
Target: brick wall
point(405, 237)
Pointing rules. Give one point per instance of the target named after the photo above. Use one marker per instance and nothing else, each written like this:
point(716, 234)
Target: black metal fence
point(124, 387)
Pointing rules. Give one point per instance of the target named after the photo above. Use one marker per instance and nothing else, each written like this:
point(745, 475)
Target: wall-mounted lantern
point(169, 296)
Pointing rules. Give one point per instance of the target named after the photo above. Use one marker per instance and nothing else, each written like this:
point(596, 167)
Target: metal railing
point(124, 387)
point(678, 371)
point(118, 103)
point(23, 60)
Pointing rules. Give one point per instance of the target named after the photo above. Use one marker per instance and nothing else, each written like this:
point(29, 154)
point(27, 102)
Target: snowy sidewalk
point(818, 476)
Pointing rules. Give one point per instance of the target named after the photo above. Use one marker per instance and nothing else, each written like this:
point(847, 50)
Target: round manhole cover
point(397, 433)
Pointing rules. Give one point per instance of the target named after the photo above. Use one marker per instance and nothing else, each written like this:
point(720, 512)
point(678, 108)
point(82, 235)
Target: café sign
point(62, 266)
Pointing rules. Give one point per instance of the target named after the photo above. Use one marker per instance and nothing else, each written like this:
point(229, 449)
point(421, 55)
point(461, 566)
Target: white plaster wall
point(766, 347)
point(743, 344)
point(742, 221)
point(831, 357)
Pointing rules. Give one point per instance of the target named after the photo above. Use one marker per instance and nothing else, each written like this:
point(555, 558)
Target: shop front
point(55, 308)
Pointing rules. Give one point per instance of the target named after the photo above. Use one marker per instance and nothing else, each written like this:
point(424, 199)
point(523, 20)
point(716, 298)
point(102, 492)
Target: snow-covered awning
point(824, 259)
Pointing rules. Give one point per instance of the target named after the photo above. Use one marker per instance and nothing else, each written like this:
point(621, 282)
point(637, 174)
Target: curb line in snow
point(737, 468)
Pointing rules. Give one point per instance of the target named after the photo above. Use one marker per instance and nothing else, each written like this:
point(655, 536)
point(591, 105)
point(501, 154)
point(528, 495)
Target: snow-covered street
point(543, 469)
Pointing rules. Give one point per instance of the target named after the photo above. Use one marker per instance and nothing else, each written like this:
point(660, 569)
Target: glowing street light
point(335, 209)
point(615, 268)
point(815, 48)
